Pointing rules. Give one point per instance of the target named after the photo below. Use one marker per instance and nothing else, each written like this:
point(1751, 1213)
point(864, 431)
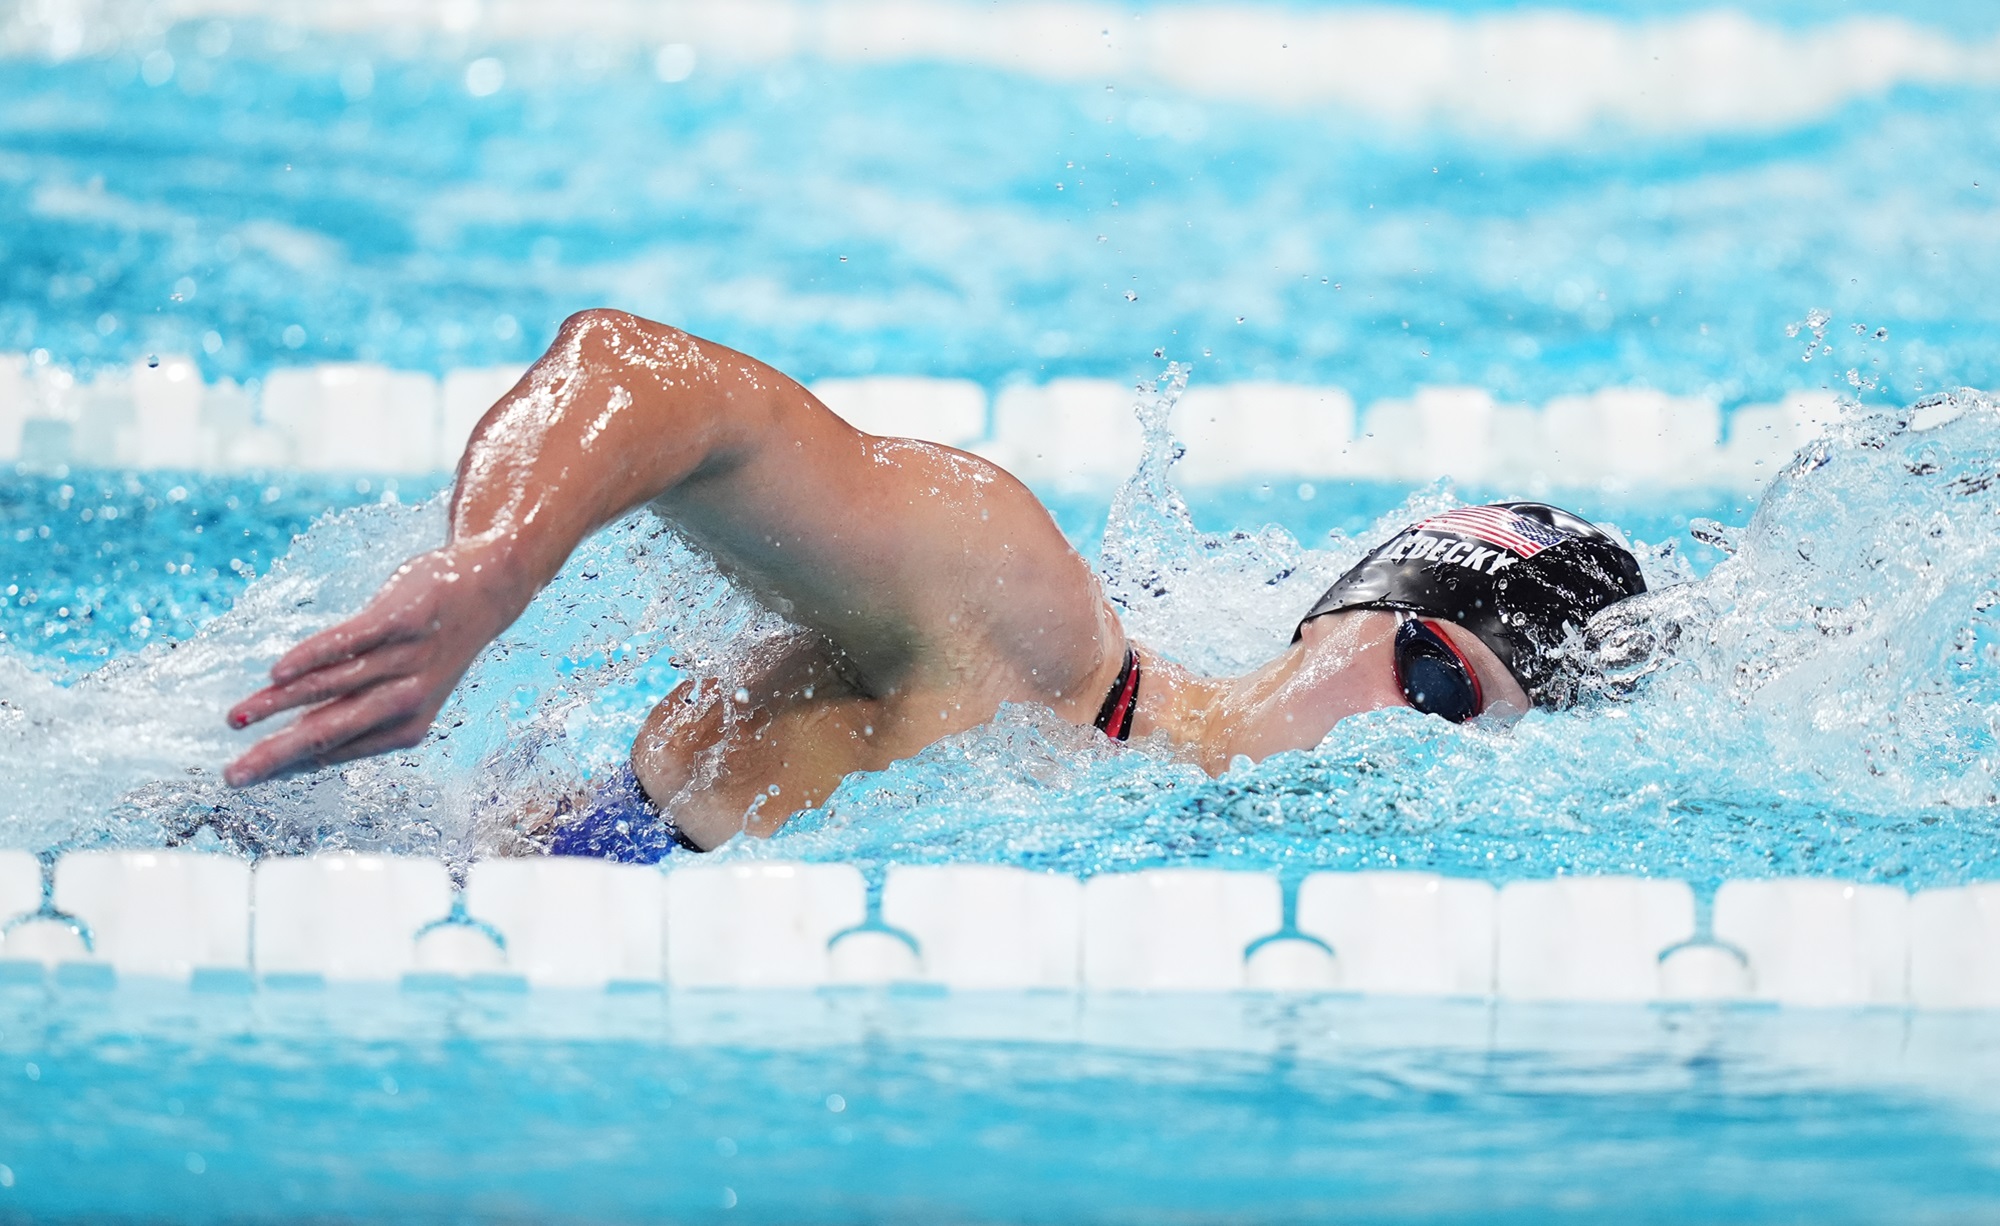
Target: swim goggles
point(1435, 676)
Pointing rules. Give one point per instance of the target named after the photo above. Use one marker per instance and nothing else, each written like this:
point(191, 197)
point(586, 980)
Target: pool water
point(99, 563)
point(1814, 686)
point(289, 187)
point(860, 1107)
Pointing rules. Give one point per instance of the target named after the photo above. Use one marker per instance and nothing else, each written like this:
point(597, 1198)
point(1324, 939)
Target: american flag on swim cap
point(1517, 534)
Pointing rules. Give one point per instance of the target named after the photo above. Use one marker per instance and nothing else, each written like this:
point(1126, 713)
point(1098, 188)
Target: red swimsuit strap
point(1114, 718)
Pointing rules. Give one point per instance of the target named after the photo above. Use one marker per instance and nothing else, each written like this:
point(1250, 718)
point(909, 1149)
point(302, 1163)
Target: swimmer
point(929, 587)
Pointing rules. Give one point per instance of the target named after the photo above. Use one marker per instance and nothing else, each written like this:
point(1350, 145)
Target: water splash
point(142, 738)
point(1851, 632)
point(1217, 602)
point(132, 752)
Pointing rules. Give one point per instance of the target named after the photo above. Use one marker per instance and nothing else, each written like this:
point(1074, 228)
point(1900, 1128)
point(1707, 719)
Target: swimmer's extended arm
point(888, 547)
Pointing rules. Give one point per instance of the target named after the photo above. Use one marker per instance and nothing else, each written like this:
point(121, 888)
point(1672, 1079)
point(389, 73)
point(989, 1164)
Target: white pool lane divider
point(581, 924)
point(1066, 434)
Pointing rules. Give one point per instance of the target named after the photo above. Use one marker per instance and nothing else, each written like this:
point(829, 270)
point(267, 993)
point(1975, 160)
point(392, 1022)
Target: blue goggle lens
point(1435, 677)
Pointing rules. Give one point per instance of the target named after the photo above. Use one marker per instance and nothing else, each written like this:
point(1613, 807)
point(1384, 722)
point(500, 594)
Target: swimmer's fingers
point(389, 715)
point(394, 615)
point(375, 681)
point(351, 638)
point(347, 676)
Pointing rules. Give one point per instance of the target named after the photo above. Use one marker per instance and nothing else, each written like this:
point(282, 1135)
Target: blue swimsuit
point(620, 822)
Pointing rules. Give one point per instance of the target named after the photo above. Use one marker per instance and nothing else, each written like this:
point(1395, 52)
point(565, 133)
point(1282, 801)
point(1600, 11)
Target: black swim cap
point(1520, 575)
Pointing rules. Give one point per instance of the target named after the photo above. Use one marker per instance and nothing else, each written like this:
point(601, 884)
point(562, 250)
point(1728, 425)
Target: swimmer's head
point(1524, 577)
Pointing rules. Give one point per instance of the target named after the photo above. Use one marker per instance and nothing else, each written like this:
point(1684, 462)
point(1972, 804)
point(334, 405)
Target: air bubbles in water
point(1711, 533)
point(1815, 322)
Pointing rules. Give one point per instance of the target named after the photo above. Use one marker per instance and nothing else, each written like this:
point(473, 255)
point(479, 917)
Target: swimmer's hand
point(375, 681)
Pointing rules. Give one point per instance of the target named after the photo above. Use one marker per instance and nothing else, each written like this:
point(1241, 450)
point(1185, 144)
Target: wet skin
point(930, 587)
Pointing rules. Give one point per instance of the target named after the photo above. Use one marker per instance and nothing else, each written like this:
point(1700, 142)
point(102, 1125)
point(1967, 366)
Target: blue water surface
point(279, 198)
point(864, 1108)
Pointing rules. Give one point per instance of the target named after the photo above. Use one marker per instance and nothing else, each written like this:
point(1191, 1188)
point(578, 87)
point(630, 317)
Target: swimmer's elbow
point(701, 394)
point(636, 352)
point(610, 328)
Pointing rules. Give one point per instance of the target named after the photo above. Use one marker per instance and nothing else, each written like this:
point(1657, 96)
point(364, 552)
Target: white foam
point(1068, 434)
point(1541, 74)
